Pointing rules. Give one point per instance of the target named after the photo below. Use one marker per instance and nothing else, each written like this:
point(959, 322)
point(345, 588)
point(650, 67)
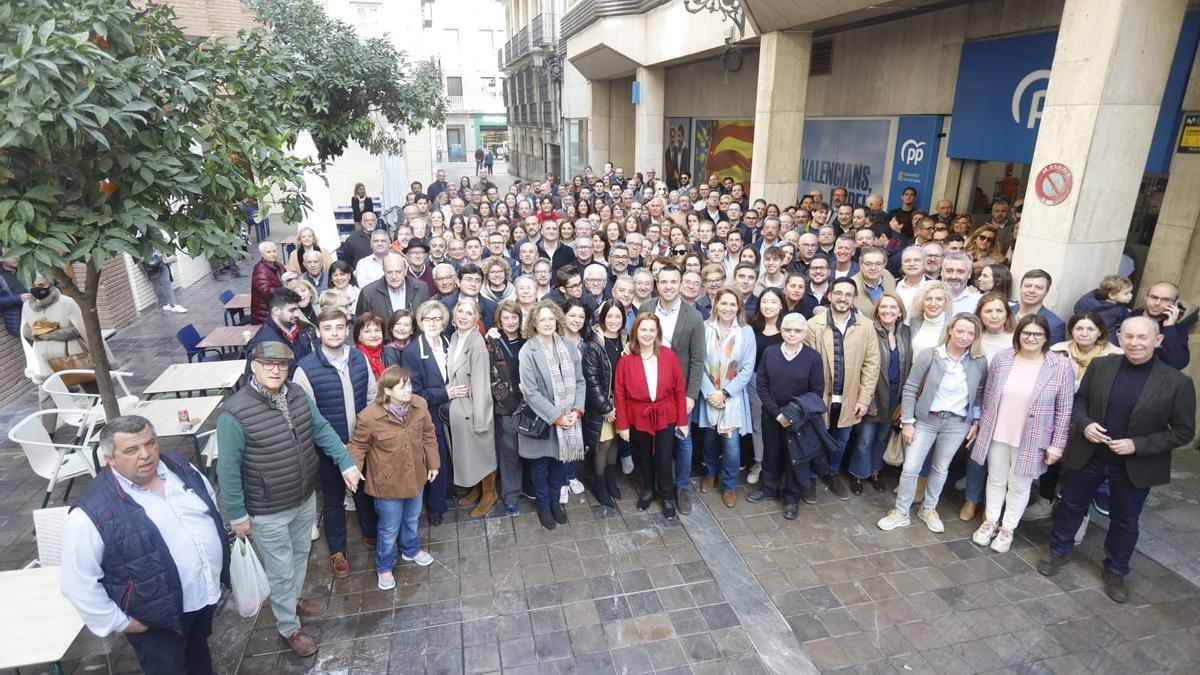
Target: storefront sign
point(849, 153)
point(915, 160)
point(1189, 136)
point(1053, 184)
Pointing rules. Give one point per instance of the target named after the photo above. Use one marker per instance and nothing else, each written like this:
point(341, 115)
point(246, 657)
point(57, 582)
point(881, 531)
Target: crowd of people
point(536, 341)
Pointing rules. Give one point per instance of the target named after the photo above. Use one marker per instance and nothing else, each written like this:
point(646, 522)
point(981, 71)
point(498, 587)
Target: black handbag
point(529, 424)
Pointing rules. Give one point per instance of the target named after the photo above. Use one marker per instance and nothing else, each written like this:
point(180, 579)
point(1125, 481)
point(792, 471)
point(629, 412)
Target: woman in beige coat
point(469, 385)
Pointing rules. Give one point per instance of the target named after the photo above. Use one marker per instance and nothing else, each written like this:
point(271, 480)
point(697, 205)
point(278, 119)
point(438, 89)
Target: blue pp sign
point(917, 144)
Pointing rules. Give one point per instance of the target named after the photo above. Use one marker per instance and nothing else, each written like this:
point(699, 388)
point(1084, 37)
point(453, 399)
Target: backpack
point(153, 265)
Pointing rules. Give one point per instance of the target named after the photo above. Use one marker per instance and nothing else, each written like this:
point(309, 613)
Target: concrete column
point(648, 121)
point(1110, 68)
point(783, 62)
point(599, 137)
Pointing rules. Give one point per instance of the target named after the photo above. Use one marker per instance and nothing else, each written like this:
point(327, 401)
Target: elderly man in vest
point(145, 552)
point(268, 434)
point(338, 378)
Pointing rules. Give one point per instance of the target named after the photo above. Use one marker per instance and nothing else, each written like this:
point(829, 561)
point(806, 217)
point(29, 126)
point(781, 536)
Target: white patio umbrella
point(320, 216)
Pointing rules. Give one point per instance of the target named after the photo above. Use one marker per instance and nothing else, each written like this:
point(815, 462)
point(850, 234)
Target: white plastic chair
point(209, 451)
point(76, 408)
point(48, 524)
point(56, 462)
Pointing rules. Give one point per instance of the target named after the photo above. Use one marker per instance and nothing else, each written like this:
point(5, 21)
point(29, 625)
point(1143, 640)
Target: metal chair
point(77, 408)
point(54, 461)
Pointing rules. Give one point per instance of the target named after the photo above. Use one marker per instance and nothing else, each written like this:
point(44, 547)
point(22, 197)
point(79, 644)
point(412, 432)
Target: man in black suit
point(1130, 412)
point(396, 290)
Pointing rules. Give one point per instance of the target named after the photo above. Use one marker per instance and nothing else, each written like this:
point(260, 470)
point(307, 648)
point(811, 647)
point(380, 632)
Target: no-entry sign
point(1053, 184)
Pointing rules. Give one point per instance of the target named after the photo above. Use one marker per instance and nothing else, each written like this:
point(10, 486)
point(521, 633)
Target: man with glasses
point(269, 434)
point(470, 282)
point(872, 280)
point(283, 325)
point(818, 280)
point(933, 259)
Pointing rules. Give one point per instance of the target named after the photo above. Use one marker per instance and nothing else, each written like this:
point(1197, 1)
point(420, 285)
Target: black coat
point(598, 375)
point(808, 437)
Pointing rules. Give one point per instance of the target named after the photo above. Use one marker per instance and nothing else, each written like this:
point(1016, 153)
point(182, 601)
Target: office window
point(454, 86)
point(366, 17)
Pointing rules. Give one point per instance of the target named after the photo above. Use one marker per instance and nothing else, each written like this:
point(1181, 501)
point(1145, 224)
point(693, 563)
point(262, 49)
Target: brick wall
point(202, 18)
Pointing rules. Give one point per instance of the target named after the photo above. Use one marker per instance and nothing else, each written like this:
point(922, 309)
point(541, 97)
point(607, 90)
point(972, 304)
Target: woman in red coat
point(267, 276)
point(649, 392)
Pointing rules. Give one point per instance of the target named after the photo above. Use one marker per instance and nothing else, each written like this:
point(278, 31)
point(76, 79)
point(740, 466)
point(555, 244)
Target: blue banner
point(844, 153)
point(918, 139)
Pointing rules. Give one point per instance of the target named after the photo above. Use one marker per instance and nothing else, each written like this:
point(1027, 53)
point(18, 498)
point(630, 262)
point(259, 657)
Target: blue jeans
point(730, 449)
point(1125, 502)
point(548, 475)
point(867, 456)
point(396, 517)
point(683, 461)
point(841, 438)
point(936, 436)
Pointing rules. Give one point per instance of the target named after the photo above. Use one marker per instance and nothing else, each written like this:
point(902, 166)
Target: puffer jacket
point(265, 278)
point(808, 437)
point(598, 374)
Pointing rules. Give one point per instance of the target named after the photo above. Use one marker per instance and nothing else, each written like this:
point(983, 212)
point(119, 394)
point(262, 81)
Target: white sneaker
point(422, 558)
point(1003, 540)
point(893, 520)
point(1040, 509)
point(564, 495)
point(576, 486)
point(316, 533)
point(627, 465)
point(1082, 530)
point(755, 473)
point(983, 536)
point(348, 503)
point(961, 484)
point(387, 581)
point(179, 309)
point(932, 520)
point(167, 308)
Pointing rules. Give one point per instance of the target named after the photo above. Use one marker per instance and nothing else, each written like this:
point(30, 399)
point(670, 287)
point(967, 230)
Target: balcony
point(540, 31)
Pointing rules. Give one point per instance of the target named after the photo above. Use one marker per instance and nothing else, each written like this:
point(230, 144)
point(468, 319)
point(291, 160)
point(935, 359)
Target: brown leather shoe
point(967, 512)
point(730, 498)
point(708, 484)
point(341, 566)
point(302, 643)
point(307, 609)
point(370, 542)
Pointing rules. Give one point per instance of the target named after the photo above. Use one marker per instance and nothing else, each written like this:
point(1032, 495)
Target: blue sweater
point(780, 380)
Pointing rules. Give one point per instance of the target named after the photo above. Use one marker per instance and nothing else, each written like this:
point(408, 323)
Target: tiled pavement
point(738, 591)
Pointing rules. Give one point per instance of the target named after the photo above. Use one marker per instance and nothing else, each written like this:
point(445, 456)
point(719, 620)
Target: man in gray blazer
point(1131, 411)
point(683, 332)
point(396, 290)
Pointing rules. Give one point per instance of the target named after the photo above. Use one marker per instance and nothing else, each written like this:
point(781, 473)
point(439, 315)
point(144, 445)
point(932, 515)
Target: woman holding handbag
point(600, 354)
point(895, 360)
point(503, 349)
point(52, 325)
point(552, 380)
point(395, 435)
point(651, 409)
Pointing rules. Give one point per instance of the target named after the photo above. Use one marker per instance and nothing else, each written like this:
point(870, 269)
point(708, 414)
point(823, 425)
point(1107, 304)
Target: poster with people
point(724, 148)
point(677, 149)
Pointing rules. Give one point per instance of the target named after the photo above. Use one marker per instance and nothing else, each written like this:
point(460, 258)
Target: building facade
point(532, 62)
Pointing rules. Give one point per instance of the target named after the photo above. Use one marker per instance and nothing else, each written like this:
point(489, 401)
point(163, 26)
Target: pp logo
point(912, 152)
point(1035, 99)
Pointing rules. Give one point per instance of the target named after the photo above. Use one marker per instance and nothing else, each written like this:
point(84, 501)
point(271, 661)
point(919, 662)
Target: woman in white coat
point(472, 444)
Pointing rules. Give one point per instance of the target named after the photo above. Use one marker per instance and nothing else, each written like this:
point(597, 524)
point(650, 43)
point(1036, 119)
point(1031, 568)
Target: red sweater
point(634, 407)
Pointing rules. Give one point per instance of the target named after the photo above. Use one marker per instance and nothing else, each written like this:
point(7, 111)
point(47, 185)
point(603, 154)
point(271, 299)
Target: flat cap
point(272, 350)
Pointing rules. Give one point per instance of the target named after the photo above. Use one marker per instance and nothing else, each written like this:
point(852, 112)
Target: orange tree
point(119, 135)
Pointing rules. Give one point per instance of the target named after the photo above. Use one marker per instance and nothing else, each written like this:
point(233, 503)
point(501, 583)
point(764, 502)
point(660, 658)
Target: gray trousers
point(283, 541)
point(162, 287)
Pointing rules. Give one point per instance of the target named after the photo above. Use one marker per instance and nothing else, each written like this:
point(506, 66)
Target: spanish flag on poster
point(729, 145)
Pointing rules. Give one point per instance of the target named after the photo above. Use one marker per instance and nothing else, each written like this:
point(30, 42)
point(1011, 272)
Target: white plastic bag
point(246, 575)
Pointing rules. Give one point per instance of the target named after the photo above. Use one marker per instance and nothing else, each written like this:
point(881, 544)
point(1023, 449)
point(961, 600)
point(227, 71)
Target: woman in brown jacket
point(395, 436)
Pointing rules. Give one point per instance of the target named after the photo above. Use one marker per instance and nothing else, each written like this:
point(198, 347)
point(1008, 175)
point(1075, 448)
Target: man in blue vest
point(338, 378)
point(145, 552)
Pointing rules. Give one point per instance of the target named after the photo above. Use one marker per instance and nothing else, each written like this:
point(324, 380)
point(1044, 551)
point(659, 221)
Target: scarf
point(374, 358)
point(1085, 359)
point(720, 367)
point(397, 411)
point(562, 381)
point(278, 400)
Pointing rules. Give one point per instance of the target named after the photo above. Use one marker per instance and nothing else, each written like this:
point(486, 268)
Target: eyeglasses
point(791, 330)
point(989, 239)
point(1033, 335)
point(444, 277)
point(272, 365)
point(679, 251)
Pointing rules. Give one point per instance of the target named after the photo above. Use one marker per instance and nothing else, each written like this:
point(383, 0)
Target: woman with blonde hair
point(306, 240)
point(930, 309)
point(982, 247)
point(469, 387)
point(395, 435)
point(308, 298)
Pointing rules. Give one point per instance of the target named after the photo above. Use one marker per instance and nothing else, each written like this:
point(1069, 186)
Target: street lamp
point(550, 65)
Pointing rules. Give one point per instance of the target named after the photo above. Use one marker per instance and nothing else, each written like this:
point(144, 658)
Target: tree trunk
point(95, 338)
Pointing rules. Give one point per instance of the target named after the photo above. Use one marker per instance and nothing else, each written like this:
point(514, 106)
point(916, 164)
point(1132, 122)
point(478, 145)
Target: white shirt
point(183, 520)
point(952, 395)
point(909, 294)
point(341, 363)
point(651, 368)
point(668, 318)
point(367, 270)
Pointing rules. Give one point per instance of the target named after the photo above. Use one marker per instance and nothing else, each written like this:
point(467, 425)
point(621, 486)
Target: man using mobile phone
point(1162, 305)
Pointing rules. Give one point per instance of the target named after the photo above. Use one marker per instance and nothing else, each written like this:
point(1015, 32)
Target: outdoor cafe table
point(39, 624)
point(163, 413)
point(239, 301)
point(181, 378)
point(226, 338)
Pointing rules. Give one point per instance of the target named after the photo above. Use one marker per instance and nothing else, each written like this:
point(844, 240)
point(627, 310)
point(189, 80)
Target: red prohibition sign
point(1053, 184)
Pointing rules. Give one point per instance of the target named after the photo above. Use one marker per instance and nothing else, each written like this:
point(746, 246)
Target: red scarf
point(374, 358)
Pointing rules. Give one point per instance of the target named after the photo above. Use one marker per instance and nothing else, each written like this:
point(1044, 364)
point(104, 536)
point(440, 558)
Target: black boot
point(644, 500)
point(610, 479)
point(558, 513)
point(546, 519)
point(600, 488)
